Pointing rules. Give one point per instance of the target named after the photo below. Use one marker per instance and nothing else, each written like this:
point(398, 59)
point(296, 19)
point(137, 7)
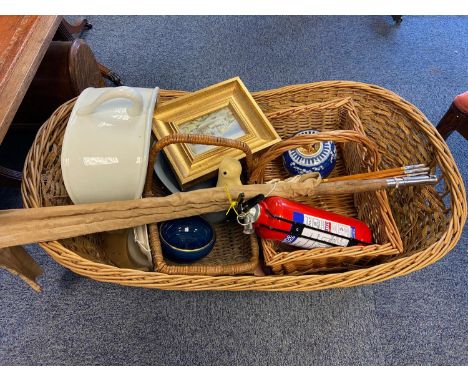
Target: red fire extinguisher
point(299, 225)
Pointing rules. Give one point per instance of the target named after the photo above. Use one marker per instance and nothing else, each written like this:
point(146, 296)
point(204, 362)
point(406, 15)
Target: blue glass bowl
point(186, 240)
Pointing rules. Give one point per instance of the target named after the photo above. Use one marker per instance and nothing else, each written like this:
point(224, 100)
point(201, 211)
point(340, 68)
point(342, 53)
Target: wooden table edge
point(16, 85)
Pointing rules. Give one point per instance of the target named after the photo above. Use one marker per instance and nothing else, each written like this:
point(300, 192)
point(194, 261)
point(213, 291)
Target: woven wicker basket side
point(403, 133)
point(356, 154)
point(386, 118)
point(234, 253)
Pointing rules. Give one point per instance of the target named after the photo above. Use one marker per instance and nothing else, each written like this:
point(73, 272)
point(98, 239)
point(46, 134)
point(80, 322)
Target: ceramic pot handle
point(120, 92)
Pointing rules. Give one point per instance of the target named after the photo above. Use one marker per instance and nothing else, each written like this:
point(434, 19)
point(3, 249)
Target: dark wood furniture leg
point(66, 32)
point(110, 75)
point(453, 120)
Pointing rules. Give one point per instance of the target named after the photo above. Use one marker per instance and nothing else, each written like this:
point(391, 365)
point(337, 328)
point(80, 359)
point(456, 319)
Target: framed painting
point(225, 110)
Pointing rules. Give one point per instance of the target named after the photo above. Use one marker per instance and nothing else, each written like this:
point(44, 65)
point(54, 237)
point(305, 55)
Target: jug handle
point(120, 92)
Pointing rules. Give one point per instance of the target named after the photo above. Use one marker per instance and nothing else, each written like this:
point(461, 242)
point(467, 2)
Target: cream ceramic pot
point(106, 144)
point(105, 151)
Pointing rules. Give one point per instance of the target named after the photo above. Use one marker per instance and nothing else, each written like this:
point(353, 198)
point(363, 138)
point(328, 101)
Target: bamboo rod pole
point(24, 226)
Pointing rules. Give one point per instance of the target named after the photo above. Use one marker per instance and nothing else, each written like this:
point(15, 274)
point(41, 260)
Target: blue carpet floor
point(420, 319)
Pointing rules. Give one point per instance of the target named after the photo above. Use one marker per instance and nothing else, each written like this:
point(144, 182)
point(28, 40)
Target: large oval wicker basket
point(430, 219)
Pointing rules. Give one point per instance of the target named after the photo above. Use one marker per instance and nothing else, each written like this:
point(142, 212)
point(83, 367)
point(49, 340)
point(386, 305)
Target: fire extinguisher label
point(313, 232)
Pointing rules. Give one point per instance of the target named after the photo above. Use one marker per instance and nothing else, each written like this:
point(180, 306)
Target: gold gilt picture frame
point(226, 109)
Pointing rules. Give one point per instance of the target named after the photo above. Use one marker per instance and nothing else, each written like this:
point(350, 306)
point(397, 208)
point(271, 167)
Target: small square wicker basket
point(234, 252)
point(336, 120)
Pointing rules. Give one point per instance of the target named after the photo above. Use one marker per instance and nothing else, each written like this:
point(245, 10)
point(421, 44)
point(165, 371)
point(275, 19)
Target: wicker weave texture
point(338, 121)
point(234, 253)
point(430, 219)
